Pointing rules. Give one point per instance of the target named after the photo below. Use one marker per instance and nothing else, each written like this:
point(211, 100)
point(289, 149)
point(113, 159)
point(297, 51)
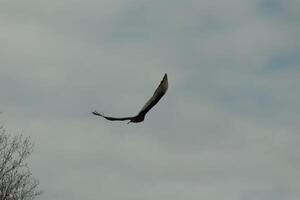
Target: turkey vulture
point(159, 92)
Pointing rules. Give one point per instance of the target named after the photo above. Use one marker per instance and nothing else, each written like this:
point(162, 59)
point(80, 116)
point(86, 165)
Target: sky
point(228, 127)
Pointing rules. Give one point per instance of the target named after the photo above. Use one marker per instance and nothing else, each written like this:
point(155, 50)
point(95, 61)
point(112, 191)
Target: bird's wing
point(159, 92)
point(112, 118)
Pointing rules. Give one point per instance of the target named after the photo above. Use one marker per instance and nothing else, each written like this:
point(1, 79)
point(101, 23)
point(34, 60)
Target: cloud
point(228, 122)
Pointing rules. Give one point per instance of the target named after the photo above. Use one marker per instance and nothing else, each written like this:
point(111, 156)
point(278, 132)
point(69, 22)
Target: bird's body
point(158, 94)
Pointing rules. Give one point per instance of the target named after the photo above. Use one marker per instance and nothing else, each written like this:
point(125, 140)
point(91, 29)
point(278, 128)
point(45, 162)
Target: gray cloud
point(227, 128)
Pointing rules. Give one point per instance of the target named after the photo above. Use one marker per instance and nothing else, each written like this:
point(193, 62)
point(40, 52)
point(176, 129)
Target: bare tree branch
point(16, 181)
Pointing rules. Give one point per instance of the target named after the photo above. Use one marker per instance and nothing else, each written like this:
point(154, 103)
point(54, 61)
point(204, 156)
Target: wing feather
point(111, 118)
point(158, 94)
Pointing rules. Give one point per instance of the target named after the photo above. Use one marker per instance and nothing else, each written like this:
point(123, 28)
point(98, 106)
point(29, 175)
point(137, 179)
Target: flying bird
point(158, 94)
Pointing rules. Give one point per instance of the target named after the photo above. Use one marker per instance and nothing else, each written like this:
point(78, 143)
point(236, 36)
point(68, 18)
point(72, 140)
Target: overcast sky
point(227, 129)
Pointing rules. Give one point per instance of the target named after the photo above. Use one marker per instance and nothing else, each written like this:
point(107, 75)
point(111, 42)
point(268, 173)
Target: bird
point(158, 94)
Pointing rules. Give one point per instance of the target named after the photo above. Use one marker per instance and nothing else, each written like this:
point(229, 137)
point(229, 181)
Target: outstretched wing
point(158, 94)
point(112, 118)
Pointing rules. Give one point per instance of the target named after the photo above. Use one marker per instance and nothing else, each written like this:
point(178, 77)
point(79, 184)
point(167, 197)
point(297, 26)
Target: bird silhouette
point(158, 94)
